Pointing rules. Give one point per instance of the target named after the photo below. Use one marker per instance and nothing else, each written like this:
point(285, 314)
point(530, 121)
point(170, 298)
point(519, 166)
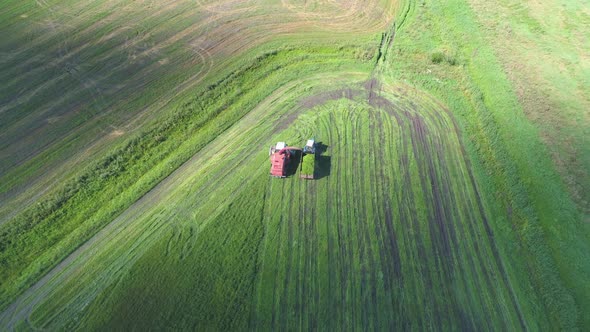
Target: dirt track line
point(287, 257)
point(259, 266)
point(385, 253)
point(359, 213)
point(332, 242)
point(313, 322)
point(374, 271)
point(340, 241)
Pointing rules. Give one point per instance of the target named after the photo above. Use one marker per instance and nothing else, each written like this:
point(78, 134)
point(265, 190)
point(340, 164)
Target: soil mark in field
point(408, 242)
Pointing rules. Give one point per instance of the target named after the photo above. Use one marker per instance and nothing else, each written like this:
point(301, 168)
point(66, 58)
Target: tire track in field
point(407, 201)
point(127, 23)
point(453, 125)
point(303, 257)
point(355, 230)
point(229, 7)
point(308, 286)
point(437, 226)
point(341, 258)
point(88, 84)
point(444, 247)
point(283, 308)
point(332, 243)
point(314, 249)
point(471, 183)
point(351, 282)
point(368, 284)
point(444, 226)
point(375, 233)
point(442, 169)
point(400, 222)
point(413, 251)
point(266, 210)
point(347, 219)
point(391, 234)
point(385, 253)
point(407, 211)
point(125, 18)
point(273, 322)
point(497, 259)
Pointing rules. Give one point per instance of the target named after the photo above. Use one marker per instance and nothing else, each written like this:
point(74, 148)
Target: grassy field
point(328, 256)
point(134, 168)
point(546, 60)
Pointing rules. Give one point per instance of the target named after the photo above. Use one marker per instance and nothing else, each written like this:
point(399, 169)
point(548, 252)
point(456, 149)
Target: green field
point(134, 185)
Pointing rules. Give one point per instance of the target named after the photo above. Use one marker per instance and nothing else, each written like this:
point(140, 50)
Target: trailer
point(307, 170)
point(308, 161)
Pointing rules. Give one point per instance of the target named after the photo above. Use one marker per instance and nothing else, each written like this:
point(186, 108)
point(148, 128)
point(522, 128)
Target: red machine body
point(279, 161)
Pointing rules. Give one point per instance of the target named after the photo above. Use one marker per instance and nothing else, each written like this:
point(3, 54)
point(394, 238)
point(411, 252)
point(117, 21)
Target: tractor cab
point(309, 148)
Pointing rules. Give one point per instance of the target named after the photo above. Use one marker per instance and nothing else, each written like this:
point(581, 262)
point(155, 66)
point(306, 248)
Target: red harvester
point(280, 156)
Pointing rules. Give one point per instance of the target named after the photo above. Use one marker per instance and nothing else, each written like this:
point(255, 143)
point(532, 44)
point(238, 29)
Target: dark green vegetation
point(437, 206)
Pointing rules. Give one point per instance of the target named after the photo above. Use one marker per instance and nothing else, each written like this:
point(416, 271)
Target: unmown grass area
point(542, 48)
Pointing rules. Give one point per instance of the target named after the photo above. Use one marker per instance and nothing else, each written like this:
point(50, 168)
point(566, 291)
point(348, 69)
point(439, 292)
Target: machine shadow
point(323, 162)
point(293, 165)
